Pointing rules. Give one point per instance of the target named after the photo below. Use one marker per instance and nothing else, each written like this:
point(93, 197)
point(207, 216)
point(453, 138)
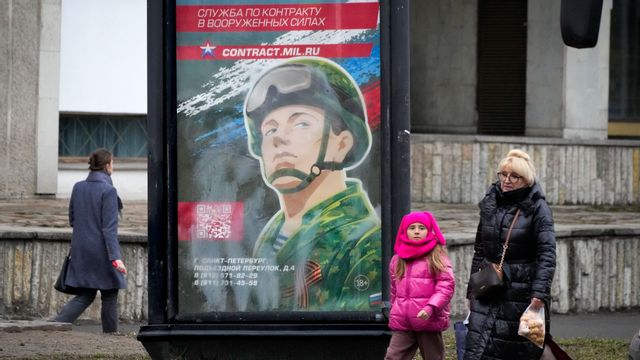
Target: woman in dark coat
point(528, 267)
point(96, 263)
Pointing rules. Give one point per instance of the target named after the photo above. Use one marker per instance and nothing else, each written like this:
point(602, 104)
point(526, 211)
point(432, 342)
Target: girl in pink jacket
point(422, 285)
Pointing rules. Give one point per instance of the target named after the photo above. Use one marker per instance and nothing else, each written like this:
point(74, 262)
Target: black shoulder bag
point(491, 278)
point(61, 282)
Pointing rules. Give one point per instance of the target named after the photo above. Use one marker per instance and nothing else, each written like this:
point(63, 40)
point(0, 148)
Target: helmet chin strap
point(316, 169)
point(306, 178)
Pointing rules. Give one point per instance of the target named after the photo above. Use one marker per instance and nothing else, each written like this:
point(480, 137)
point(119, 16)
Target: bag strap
point(506, 242)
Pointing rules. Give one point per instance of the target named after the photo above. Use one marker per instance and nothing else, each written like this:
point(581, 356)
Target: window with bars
point(124, 135)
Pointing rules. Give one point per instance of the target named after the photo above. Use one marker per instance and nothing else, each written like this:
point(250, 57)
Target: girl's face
point(417, 231)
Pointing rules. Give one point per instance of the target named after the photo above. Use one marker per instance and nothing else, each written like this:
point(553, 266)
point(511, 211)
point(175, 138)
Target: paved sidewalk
point(454, 219)
point(604, 325)
point(38, 339)
point(52, 215)
point(461, 220)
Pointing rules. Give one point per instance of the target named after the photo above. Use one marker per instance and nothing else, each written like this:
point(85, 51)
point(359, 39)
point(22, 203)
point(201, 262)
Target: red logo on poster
point(210, 221)
point(206, 49)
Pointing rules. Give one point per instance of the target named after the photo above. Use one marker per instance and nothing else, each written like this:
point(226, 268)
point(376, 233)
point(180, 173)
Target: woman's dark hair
point(99, 159)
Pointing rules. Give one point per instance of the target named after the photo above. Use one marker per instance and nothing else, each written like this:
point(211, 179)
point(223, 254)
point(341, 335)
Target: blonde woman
point(529, 261)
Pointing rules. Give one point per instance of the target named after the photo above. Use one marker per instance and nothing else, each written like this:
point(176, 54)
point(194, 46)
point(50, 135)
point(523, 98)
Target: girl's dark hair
point(99, 159)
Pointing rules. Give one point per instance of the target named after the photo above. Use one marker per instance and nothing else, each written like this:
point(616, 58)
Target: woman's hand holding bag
point(532, 325)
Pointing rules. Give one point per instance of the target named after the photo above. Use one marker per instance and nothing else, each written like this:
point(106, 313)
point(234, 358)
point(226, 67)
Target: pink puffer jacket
point(417, 289)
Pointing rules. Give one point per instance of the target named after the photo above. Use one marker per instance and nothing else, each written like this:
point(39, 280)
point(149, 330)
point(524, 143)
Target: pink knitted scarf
point(411, 249)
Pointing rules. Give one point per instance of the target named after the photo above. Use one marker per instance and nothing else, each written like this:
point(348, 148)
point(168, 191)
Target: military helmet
point(315, 82)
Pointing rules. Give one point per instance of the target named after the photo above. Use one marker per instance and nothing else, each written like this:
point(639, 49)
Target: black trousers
point(76, 306)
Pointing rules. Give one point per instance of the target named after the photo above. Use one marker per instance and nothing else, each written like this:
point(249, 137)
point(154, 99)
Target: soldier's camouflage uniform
point(333, 261)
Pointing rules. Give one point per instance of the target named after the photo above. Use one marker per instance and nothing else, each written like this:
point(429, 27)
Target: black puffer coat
point(529, 266)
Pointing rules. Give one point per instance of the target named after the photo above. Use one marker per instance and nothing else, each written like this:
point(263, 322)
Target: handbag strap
point(506, 242)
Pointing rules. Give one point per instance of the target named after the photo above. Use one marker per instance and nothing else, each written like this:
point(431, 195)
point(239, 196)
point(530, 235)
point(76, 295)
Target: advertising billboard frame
point(166, 324)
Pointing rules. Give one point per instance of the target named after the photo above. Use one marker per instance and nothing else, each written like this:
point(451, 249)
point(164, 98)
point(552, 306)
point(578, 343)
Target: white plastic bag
point(532, 325)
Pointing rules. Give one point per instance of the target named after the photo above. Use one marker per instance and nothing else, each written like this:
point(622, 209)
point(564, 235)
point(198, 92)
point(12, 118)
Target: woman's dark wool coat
point(529, 267)
point(93, 214)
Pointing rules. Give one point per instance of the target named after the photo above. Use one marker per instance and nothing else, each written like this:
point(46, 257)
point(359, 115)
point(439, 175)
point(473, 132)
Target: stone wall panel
point(30, 266)
point(458, 169)
point(597, 269)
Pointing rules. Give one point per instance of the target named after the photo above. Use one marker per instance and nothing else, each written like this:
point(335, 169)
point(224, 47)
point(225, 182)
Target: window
point(502, 67)
point(124, 135)
point(624, 67)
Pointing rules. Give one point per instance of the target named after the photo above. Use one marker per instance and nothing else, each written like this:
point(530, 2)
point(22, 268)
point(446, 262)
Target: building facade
point(74, 79)
point(500, 68)
point(74, 75)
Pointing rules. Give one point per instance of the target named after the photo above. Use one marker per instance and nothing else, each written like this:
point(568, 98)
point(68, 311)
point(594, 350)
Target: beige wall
point(586, 86)
point(48, 97)
point(19, 50)
point(545, 70)
point(29, 266)
point(458, 169)
point(443, 66)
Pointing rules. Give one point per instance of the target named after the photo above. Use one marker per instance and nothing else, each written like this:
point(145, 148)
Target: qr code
point(213, 221)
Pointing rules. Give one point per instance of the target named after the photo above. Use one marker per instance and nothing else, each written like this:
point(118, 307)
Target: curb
point(14, 326)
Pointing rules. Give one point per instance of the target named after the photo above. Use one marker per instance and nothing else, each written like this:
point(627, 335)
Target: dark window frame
point(125, 135)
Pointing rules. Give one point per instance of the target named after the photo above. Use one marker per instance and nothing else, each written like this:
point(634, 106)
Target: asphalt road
point(603, 325)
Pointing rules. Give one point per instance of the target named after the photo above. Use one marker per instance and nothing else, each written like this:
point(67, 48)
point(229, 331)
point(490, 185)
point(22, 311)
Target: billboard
point(278, 156)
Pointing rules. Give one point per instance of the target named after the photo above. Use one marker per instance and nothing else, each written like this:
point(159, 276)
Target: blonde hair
point(520, 163)
point(436, 262)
